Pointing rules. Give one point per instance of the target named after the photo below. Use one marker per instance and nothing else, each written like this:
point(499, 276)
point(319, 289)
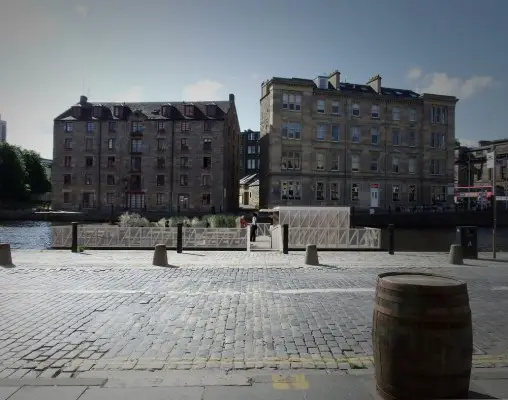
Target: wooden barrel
point(422, 336)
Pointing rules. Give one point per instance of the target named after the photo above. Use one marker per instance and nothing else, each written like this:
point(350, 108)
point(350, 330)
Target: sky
point(52, 51)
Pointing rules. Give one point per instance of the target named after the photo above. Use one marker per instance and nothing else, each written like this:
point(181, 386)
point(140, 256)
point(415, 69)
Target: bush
point(132, 220)
point(221, 221)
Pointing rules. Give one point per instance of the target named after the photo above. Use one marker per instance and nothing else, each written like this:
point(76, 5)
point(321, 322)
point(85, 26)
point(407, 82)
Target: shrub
point(198, 223)
point(221, 221)
point(132, 220)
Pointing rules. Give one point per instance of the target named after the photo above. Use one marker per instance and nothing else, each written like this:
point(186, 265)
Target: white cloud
point(414, 73)
point(442, 83)
point(132, 94)
point(202, 90)
point(81, 10)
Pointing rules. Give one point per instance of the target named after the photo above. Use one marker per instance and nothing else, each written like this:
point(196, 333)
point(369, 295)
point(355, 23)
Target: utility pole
point(469, 181)
point(494, 203)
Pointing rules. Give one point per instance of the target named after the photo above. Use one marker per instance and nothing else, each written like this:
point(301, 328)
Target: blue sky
point(51, 51)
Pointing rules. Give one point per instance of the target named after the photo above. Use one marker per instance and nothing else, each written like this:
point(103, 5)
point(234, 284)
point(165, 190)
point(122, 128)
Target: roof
point(148, 110)
point(247, 180)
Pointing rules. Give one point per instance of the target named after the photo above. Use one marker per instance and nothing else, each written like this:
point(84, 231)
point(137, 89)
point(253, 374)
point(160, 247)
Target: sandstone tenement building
point(327, 142)
point(167, 156)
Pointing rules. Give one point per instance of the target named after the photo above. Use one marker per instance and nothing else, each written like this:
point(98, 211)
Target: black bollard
point(74, 245)
point(179, 238)
point(352, 217)
point(285, 239)
point(391, 239)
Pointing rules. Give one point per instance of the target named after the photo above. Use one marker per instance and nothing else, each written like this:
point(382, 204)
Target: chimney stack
point(83, 100)
point(334, 79)
point(375, 83)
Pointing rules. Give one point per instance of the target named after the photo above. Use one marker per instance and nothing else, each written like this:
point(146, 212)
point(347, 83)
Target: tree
point(457, 143)
point(12, 174)
point(36, 177)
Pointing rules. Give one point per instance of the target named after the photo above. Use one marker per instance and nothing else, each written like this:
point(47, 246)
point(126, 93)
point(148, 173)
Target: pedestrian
point(243, 222)
point(253, 227)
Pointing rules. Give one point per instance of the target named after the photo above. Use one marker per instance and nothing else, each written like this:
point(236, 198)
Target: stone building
point(249, 153)
point(155, 156)
point(327, 142)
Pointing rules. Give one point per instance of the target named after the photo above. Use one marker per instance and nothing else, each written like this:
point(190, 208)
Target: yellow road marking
point(295, 382)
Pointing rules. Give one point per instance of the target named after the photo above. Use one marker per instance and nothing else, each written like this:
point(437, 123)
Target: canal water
point(36, 235)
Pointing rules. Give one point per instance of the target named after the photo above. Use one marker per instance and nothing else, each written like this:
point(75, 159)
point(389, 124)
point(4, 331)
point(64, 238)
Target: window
point(374, 163)
point(412, 114)
point(395, 137)
point(111, 144)
point(334, 191)
point(437, 193)
point(89, 161)
point(374, 135)
point(502, 172)
point(374, 112)
point(290, 190)
point(88, 179)
point(184, 162)
point(67, 161)
point(412, 193)
point(161, 144)
point(165, 111)
point(290, 160)
point(320, 106)
point(335, 162)
point(395, 165)
point(68, 144)
point(208, 126)
point(411, 138)
point(438, 115)
point(291, 102)
point(137, 127)
point(253, 136)
point(160, 180)
point(90, 127)
point(396, 114)
point(355, 192)
point(437, 167)
point(395, 193)
point(183, 201)
point(111, 162)
point(320, 191)
point(136, 164)
point(160, 199)
point(89, 144)
point(251, 150)
point(206, 199)
point(117, 111)
point(110, 180)
point(135, 183)
point(251, 164)
point(335, 108)
point(207, 144)
point(185, 126)
point(67, 179)
point(112, 126)
point(335, 133)
point(437, 140)
point(320, 132)
point(188, 110)
point(320, 161)
point(110, 198)
point(161, 162)
point(355, 163)
point(291, 130)
point(411, 165)
point(160, 126)
point(68, 127)
point(66, 197)
point(136, 200)
point(207, 162)
point(184, 180)
point(184, 144)
point(211, 109)
point(356, 110)
point(136, 145)
point(206, 180)
point(355, 134)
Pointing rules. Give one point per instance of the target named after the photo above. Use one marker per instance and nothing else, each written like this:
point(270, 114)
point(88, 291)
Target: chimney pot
point(231, 98)
point(83, 100)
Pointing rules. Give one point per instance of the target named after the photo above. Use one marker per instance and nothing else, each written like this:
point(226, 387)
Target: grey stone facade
point(346, 140)
point(153, 156)
point(249, 153)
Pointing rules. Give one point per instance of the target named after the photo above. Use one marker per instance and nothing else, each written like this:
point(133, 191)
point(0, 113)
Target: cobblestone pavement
point(62, 313)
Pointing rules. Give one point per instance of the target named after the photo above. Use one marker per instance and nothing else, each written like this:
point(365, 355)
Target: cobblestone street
point(62, 313)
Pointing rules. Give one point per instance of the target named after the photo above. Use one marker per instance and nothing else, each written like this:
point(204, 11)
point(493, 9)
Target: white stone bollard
point(311, 255)
point(160, 256)
point(456, 257)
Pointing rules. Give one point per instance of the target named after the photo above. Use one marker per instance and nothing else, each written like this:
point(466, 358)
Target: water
point(34, 235)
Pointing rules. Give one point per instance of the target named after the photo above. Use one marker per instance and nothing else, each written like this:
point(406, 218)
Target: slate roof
point(247, 180)
point(148, 110)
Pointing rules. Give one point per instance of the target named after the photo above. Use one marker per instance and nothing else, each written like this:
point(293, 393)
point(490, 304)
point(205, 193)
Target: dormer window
point(76, 112)
point(211, 110)
point(165, 111)
point(188, 110)
point(97, 111)
point(117, 111)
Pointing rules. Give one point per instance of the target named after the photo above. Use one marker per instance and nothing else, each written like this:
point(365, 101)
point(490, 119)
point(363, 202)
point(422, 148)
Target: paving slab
point(146, 393)
point(48, 393)
point(53, 382)
point(7, 391)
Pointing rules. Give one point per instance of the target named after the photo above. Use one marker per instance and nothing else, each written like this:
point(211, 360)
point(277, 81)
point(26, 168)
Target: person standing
point(243, 222)
point(253, 227)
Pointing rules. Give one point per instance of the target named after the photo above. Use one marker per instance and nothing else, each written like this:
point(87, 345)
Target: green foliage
point(36, 177)
point(208, 221)
point(132, 220)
